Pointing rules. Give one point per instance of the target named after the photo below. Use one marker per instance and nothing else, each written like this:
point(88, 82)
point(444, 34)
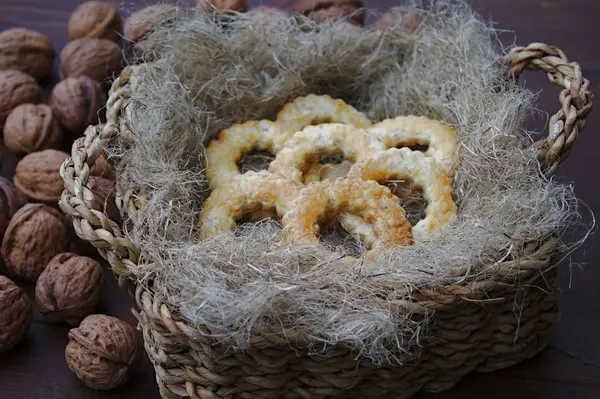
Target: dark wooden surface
point(568, 369)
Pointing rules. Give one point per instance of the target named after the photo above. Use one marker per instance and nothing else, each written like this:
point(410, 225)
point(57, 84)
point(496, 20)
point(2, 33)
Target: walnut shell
point(76, 102)
point(35, 234)
point(37, 175)
point(68, 289)
point(30, 128)
point(321, 10)
point(96, 20)
point(28, 51)
point(100, 59)
point(222, 5)
point(335, 12)
point(17, 88)
point(265, 18)
point(102, 351)
point(103, 191)
point(102, 167)
point(264, 9)
point(143, 20)
point(10, 202)
point(400, 20)
point(16, 314)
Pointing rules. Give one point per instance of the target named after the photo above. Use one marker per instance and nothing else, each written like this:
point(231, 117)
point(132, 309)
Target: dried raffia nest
point(207, 75)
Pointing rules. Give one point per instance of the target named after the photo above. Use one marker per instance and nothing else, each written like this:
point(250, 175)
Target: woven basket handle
point(89, 220)
point(575, 99)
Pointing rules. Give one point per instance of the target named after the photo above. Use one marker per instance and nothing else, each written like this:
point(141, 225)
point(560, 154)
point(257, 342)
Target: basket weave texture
point(474, 323)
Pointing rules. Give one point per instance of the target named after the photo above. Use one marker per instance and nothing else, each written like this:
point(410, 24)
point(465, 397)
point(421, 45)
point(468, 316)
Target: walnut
point(102, 167)
point(96, 20)
point(222, 5)
point(401, 22)
point(30, 128)
point(269, 17)
point(103, 191)
point(16, 314)
point(145, 19)
point(68, 289)
point(100, 59)
point(28, 51)
point(35, 234)
point(268, 10)
point(321, 10)
point(76, 102)
point(17, 88)
point(10, 202)
point(37, 175)
point(102, 351)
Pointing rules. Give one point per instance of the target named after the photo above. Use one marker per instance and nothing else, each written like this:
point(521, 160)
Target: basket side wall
point(470, 337)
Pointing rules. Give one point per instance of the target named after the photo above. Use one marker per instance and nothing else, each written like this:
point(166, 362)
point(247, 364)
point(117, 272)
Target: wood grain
point(569, 368)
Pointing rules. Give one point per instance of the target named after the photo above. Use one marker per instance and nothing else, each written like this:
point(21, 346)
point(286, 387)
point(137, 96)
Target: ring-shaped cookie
point(244, 194)
point(373, 203)
point(317, 109)
point(224, 152)
point(402, 163)
point(406, 131)
point(313, 110)
point(304, 149)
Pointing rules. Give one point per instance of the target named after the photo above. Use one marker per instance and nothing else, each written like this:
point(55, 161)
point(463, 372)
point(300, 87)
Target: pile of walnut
point(39, 249)
point(39, 124)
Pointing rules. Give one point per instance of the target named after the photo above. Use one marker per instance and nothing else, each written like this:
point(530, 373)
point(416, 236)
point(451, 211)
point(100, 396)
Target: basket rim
point(93, 225)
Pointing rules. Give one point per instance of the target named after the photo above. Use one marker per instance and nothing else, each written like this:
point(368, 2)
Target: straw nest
point(206, 75)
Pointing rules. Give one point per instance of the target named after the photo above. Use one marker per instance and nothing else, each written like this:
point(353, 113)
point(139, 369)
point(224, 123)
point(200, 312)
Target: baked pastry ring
point(423, 171)
point(406, 131)
point(306, 147)
point(248, 193)
point(224, 152)
point(317, 109)
point(373, 203)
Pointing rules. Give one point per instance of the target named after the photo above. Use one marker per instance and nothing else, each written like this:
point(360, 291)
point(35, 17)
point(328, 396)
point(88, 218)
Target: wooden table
point(568, 368)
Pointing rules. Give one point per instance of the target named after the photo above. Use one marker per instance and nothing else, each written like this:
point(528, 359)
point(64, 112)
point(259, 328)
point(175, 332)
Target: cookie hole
point(254, 161)
point(318, 121)
point(245, 229)
point(327, 166)
point(411, 199)
point(414, 147)
point(334, 235)
point(334, 159)
point(253, 219)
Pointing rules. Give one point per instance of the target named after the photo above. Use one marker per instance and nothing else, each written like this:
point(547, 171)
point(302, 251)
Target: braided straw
point(77, 200)
point(474, 320)
point(575, 99)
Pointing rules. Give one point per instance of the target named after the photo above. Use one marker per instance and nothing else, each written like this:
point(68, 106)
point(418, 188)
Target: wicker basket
point(474, 323)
